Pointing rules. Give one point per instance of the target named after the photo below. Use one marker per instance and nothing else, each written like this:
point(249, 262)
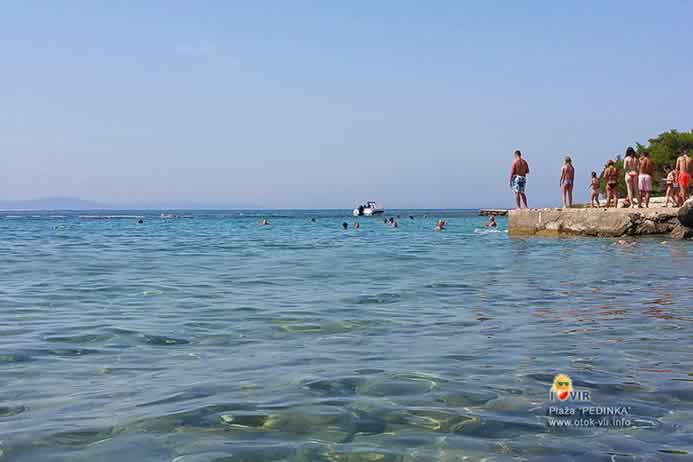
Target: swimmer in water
point(141, 221)
point(441, 224)
point(357, 225)
point(345, 225)
point(264, 222)
point(312, 220)
point(491, 222)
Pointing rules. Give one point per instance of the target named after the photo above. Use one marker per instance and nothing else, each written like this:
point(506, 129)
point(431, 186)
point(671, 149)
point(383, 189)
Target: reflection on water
point(215, 339)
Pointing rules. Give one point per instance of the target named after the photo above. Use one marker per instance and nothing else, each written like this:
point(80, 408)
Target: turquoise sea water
point(214, 339)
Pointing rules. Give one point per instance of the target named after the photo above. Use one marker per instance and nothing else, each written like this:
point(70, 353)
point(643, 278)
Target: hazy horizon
point(323, 105)
point(77, 204)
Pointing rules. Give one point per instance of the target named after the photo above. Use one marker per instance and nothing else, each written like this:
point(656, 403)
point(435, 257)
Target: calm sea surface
point(214, 339)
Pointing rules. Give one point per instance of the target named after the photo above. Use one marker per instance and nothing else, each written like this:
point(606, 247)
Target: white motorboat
point(369, 209)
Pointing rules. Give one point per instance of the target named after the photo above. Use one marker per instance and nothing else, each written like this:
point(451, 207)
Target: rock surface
point(597, 222)
point(686, 214)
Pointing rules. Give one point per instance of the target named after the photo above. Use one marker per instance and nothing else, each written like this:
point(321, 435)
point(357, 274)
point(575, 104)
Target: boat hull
point(368, 212)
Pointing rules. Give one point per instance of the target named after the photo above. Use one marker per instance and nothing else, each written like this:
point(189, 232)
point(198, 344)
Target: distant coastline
point(76, 204)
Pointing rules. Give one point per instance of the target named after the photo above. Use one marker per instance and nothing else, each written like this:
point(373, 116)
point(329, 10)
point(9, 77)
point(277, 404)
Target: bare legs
point(632, 187)
point(644, 198)
point(611, 193)
point(519, 196)
point(568, 191)
point(668, 196)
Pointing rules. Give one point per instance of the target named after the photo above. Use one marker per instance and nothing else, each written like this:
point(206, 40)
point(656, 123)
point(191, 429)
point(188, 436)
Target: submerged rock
point(682, 232)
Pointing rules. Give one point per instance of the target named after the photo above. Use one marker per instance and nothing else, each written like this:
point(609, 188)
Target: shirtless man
point(567, 180)
point(630, 165)
point(611, 176)
point(647, 170)
point(518, 178)
point(684, 166)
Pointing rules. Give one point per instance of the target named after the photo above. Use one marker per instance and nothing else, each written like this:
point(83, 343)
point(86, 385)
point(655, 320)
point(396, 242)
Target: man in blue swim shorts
point(518, 178)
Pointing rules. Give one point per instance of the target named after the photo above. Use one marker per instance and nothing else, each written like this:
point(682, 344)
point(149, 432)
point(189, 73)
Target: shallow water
point(214, 339)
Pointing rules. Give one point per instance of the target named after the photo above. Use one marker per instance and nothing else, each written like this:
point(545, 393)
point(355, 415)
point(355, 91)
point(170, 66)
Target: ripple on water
point(322, 327)
point(85, 338)
point(9, 411)
point(398, 385)
point(342, 386)
point(377, 299)
point(160, 340)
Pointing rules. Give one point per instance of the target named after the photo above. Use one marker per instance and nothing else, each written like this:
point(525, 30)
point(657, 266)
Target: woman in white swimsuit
point(631, 166)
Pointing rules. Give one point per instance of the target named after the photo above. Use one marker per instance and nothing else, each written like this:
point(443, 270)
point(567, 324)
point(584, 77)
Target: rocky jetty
point(494, 212)
point(601, 222)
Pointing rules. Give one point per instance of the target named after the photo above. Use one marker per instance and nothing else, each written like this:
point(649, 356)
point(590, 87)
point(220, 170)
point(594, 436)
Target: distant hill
point(52, 203)
point(70, 203)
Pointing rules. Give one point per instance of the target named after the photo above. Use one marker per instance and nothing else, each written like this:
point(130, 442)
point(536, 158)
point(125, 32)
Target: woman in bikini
point(611, 176)
point(567, 180)
point(631, 166)
point(595, 190)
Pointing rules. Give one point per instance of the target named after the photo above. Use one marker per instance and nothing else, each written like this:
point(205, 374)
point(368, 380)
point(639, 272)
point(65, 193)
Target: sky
point(319, 104)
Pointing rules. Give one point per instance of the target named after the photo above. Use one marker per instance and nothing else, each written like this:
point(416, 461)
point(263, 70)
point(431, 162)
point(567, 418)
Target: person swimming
point(345, 225)
point(357, 225)
point(440, 225)
point(491, 222)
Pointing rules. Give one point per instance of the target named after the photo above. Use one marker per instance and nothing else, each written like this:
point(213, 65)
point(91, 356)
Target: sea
point(203, 336)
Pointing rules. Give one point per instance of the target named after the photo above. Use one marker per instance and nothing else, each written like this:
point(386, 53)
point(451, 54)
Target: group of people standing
point(639, 172)
point(638, 178)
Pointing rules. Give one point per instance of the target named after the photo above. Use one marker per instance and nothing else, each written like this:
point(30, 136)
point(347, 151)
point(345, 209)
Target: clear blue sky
point(325, 104)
